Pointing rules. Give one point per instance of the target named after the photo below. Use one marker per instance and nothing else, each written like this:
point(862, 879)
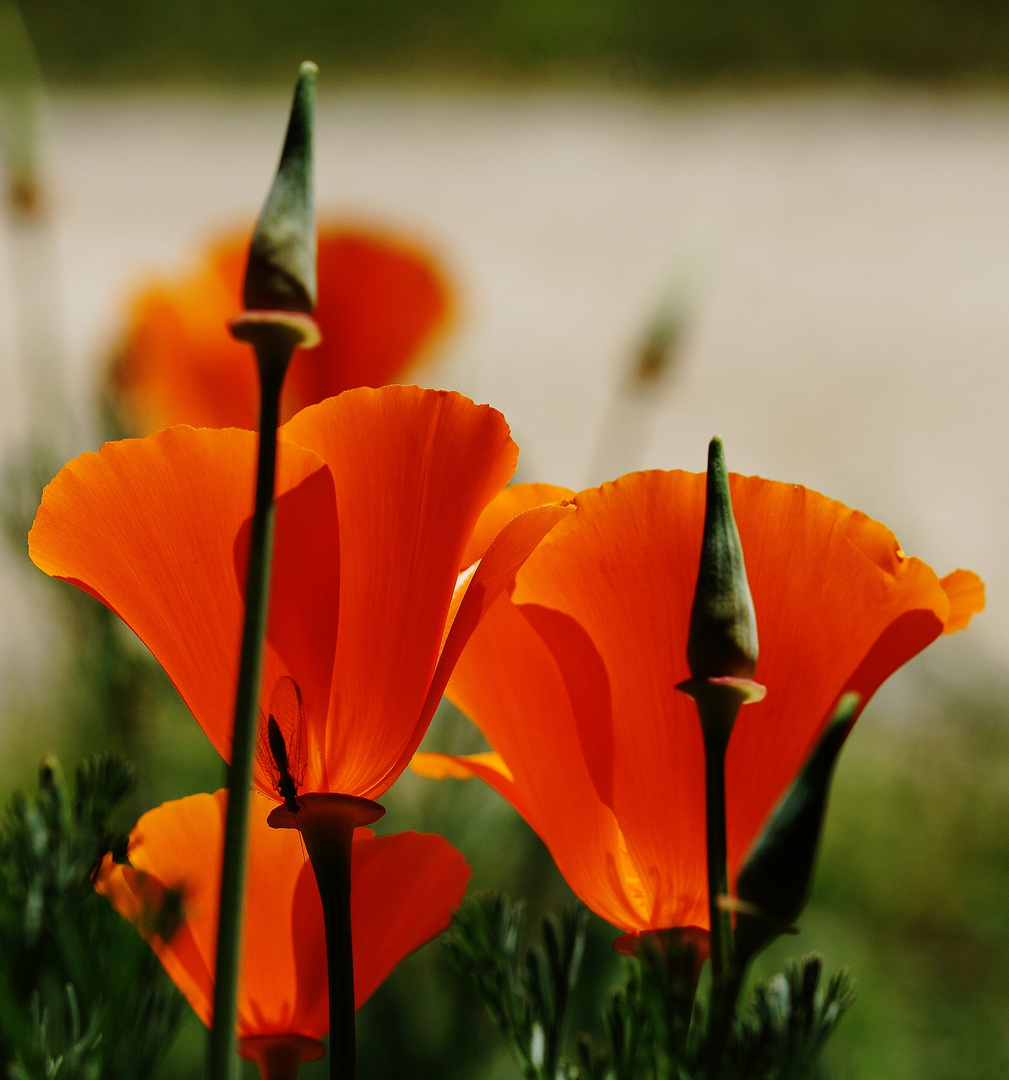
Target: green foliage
point(655, 1026)
point(81, 994)
point(790, 1019)
point(647, 1031)
point(527, 997)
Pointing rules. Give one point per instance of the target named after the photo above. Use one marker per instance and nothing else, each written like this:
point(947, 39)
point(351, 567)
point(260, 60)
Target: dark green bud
point(775, 880)
point(281, 272)
point(722, 640)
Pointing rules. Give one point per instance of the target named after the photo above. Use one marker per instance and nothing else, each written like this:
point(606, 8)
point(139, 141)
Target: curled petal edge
point(966, 595)
point(488, 766)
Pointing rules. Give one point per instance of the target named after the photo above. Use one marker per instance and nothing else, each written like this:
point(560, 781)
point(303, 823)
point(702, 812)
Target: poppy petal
point(413, 469)
point(507, 504)
point(179, 364)
point(148, 526)
point(530, 722)
point(382, 304)
point(406, 887)
point(966, 598)
point(303, 613)
point(282, 988)
point(836, 603)
point(488, 766)
point(494, 573)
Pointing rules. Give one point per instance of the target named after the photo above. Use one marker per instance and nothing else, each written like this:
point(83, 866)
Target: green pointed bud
point(281, 272)
point(722, 640)
point(775, 880)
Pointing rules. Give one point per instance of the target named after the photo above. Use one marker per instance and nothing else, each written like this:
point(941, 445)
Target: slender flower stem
point(718, 703)
point(274, 336)
point(715, 746)
point(223, 1062)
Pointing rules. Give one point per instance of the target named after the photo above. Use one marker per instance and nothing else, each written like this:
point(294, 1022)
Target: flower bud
point(281, 271)
point(722, 640)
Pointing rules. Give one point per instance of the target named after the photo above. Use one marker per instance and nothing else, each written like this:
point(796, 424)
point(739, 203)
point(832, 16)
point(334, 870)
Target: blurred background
point(785, 223)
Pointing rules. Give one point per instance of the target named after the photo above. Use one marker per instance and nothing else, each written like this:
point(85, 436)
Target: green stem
point(722, 996)
point(272, 366)
point(715, 745)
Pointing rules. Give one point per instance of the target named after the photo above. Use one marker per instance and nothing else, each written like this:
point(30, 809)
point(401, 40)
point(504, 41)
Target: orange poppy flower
point(406, 887)
point(383, 303)
point(157, 529)
point(572, 677)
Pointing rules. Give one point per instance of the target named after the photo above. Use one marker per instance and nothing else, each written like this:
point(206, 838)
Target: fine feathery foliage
point(81, 994)
point(528, 997)
point(655, 1026)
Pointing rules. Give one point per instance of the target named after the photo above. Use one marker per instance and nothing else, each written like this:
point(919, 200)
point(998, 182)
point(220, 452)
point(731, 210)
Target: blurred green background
point(913, 888)
point(654, 41)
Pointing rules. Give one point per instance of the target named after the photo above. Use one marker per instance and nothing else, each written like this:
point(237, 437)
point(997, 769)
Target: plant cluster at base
point(81, 995)
point(656, 1024)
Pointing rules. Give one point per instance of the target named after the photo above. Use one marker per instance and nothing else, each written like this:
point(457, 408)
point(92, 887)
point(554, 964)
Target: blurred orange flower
point(406, 887)
point(157, 529)
point(572, 677)
point(383, 304)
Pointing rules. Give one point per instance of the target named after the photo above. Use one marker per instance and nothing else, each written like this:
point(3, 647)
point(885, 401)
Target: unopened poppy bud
point(722, 639)
point(774, 882)
point(281, 271)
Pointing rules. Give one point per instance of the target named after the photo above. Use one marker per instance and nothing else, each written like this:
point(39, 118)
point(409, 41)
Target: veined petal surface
point(150, 527)
point(510, 683)
point(412, 470)
point(608, 596)
point(283, 982)
point(405, 889)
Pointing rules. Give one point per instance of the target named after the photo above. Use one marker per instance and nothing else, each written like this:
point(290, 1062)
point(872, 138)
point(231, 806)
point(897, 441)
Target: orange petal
point(282, 988)
point(412, 469)
point(149, 527)
point(608, 598)
point(179, 363)
point(507, 504)
point(510, 684)
point(495, 573)
point(966, 598)
point(488, 766)
point(382, 304)
point(459, 767)
point(406, 887)
point(303, 613)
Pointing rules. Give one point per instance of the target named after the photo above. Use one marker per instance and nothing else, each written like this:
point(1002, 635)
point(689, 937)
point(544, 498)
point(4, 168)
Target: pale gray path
point(852, 255)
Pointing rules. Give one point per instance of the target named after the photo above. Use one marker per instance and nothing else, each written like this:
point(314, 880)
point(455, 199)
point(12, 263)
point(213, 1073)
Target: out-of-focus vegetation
point(649, 41)
point(79, 995)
